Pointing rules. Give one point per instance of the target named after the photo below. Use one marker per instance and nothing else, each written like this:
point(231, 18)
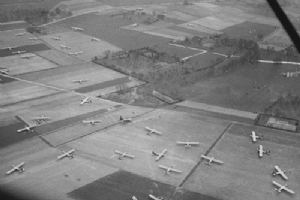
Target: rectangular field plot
point(67, 77)
point(169, 33)
point(23, 49)
point(199, 28)
point(133, 138)
point(77, 42)
point(180, 16)
point(216, 23)
point(17, 91)
point(62, 176)
point(59, 57)
point(249, 30)
point(244, 175)
point(67, 130)
point(9, 39)
point(18, 65)
point(107, 28)
point(124, 185)
point(13, 25)
point(144, 27)
point(59, 107)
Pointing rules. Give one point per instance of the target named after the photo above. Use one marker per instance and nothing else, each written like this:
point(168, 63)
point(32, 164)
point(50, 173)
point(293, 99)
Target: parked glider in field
point(86, 100)
point(79, 81)
point(280, 172)
point(151, 196)
point(95, 39)
point(69, 154)
point(9, 48)
point(62, 46)
point(159, 155)
point(125, 120)
point(4, 71)
point(33, 38)
point(41, 119)
point(75, 53)
point(77, 28)
point(18, 168)
point(188, 144)
point(290, 74)
point(25, 129)
point(152, 131)
point(134, 198)
point(27, 56)
point(261, 151)
point(123, 154)
point(282, 188)
point(20, 34)
point(168, 170)
point(254, 137)
point(92, 122)
point(18, 52)
point(56, 38)
point(211, 160)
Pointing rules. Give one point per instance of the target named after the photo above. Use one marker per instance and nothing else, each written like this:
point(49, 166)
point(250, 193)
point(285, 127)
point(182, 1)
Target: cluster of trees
point(289, 54)
point(249, 48)
point(60, 12)
point(34, 16)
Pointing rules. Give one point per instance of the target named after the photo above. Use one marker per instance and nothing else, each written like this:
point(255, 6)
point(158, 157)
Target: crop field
point(144, 27)
point(13, 25)
point(216, 23)
point(278, 38)
point(132, 138)
point(244, 175)
point(66, 76)
point(180, 16)
point(57, 107)
point(250, 88)
point(107, 28)
point(199, 28)
point(18, 65)
point(78, 42)
point(59, 57)
point(249, 30)
point(169, 33)
point(40, 163)
point(17, 91)
point(124, 185)
point(23, 49)
point(9, 39)
point(74, 128)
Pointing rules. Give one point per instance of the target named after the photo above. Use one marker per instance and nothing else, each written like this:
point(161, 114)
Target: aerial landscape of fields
point(148, 100)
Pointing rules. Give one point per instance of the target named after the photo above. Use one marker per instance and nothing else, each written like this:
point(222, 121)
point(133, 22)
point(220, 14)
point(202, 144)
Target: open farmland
point(251, 87)
point(9, 39)
point(249, 30)
point(18, 65)
point(107, 28)
point(244, 175)
point(77, 42)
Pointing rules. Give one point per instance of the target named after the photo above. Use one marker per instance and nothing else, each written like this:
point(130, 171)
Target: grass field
point(249, 30)
point(9, 39)
point(244, 175)
point(80, 42)
point(95, 77)
point(108, 28)
point(249, 88)
point(17, 65)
